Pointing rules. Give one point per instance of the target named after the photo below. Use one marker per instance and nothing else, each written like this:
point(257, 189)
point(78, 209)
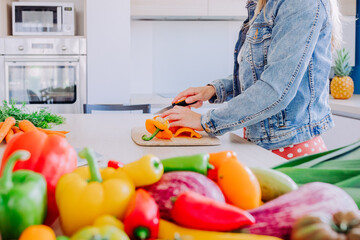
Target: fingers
point(185, 94)
point(172, 113)
point(197, 105)
point(182, 116)
point(180, 96)
point(176, 124)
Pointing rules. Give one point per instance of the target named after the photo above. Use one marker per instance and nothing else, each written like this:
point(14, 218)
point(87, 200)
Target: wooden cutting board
point(206, 140)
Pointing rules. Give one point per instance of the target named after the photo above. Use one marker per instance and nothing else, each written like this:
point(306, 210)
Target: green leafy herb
point(41, 118)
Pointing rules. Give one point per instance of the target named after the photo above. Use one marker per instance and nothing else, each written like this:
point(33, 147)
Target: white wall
point(169, 56)
point(349, 23)
point(108, 34)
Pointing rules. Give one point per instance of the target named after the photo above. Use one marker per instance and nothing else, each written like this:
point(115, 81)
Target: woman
point(280, 85)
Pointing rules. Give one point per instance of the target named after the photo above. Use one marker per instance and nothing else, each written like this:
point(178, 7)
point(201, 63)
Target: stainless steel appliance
point(45, 73)
point(41, 18)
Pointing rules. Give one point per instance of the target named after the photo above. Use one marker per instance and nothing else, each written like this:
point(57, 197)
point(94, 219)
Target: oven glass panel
point(42, 84)
point(37, 19)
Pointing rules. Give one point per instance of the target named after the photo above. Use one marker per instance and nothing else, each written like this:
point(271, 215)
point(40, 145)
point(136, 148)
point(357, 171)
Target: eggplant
point(277, 217)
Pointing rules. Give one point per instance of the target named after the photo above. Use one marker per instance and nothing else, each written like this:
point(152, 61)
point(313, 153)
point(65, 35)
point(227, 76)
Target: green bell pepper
point(196, 163)
point(22, 198)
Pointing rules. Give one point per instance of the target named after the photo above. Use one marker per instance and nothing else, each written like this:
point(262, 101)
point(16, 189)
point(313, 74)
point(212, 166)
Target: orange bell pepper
point(158, 127)
point(39, 232)
point(216, 159)
point(239, 184)
point(185, 131)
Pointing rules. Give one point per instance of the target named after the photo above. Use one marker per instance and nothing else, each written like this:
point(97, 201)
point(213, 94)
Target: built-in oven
point(45, 73)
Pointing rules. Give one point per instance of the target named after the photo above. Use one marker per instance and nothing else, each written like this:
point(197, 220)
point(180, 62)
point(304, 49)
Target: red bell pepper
point(216, 159)
point(115, 164)
point(194, 210)
point(143, 217)
point(51, 155)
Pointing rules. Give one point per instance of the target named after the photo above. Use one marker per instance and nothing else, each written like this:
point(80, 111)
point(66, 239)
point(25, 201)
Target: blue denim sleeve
point(296, 28)
point(224, 89)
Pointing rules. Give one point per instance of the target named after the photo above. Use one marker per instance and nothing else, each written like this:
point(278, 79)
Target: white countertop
point(349, 107)
point(110, 136)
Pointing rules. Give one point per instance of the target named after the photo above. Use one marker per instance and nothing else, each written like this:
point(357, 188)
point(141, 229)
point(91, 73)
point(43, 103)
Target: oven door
point(32, 19)
point(47, 82)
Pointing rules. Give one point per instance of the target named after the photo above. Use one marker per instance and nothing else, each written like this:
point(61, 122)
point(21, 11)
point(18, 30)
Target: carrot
point(16, 129)
point(9, 135)
point(1, 123)
point(58, 134)
point(26, 125)
point(48, 131)
point(6, 126)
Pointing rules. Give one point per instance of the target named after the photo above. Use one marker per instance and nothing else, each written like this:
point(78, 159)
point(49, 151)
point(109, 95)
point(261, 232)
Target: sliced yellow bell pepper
point(168, 230)
point(88, 193)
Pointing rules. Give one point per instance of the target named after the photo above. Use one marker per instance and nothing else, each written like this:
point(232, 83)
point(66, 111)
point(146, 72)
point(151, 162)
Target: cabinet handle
point(21, 48)
point(64, 48)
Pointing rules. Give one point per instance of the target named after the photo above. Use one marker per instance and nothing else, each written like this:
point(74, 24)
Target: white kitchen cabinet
point(188, 8)
point(161, 8)
point(223, 8)
point(206, 8)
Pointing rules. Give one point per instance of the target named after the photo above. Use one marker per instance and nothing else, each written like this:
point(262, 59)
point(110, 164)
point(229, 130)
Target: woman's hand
point(183, 117)
point(193, 94)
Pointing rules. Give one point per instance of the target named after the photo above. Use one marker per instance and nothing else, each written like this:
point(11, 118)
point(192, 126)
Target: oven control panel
point(44, 46)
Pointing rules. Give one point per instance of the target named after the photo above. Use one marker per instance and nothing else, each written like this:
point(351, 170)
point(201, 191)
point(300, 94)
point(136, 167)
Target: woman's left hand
point(183, 117)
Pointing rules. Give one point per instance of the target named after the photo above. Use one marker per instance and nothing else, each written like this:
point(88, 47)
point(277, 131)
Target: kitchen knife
point(181, 103)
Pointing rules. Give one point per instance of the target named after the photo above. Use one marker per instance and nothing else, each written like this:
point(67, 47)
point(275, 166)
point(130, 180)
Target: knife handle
point(182, 103)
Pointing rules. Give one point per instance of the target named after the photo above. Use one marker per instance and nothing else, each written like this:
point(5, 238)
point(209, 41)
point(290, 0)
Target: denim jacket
point(280, 86)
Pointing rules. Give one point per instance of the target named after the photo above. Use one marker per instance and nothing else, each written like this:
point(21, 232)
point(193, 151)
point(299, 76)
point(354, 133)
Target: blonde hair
point(336, 34)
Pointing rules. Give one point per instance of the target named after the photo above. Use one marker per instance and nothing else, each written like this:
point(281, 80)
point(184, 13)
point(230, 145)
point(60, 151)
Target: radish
point(276, 217)
point(173, 183)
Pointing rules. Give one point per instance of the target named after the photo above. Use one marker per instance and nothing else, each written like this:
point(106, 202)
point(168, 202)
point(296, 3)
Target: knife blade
point(181, 103)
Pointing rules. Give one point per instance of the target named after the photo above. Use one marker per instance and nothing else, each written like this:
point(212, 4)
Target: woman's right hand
point(193, 94)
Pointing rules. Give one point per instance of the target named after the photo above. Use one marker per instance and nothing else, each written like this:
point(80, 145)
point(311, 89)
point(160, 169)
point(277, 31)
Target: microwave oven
point(42, 18)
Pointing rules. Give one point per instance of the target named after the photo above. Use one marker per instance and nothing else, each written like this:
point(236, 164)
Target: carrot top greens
point(41, 118)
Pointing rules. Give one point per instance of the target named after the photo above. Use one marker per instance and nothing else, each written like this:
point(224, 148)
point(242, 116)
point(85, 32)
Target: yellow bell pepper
point(108, 220)
point(88, 193)
point(168, 230)
point(145, 171)
point(104, 232)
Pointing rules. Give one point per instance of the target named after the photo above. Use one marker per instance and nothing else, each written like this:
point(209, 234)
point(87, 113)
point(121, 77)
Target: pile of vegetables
point(210, 196)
